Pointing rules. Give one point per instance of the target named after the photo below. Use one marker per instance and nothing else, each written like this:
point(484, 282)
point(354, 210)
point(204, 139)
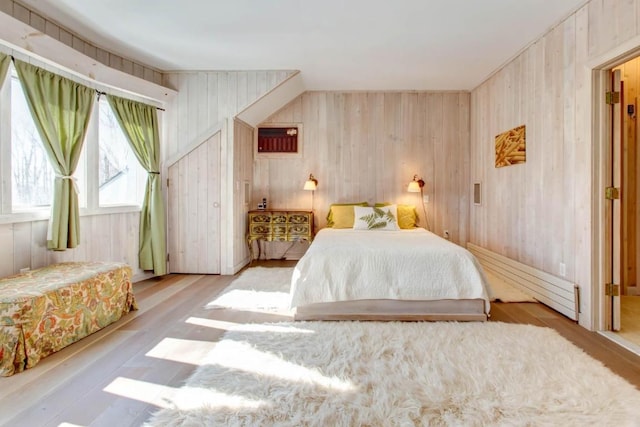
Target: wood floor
point(122, 374)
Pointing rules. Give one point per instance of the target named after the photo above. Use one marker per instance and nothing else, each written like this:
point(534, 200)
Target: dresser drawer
point(259, 218)
point(260, 230)
point(298, 230)
point(299, 218)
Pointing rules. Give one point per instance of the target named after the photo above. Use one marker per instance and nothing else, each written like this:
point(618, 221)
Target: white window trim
point(9, 214)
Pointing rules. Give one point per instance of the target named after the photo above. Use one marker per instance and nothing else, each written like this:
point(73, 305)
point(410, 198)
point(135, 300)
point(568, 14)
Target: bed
point(408, 274)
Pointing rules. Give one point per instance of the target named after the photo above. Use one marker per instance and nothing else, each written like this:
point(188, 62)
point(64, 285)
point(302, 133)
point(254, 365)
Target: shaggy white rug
point(399, 374)
point(267, 289)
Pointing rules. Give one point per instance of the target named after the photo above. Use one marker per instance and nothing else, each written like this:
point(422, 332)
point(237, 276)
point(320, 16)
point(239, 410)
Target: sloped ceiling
point(336, 44)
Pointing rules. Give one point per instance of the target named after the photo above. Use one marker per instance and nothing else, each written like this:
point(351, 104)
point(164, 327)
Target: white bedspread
point(346, 264)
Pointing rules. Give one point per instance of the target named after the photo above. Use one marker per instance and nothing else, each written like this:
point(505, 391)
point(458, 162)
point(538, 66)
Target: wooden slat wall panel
point(539, 213)
point(205, 99)
point(194, 210)
point(243, 168)
point(366, 146)
point(112, 237)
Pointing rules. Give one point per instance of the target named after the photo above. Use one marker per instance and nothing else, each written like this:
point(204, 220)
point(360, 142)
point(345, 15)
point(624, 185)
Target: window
point(32, 174)
point(108, 173)
point(121, 177)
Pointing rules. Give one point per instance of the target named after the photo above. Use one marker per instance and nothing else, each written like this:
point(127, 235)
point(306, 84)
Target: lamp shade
point(416, 185)
point(311, 184)
point(413, 187)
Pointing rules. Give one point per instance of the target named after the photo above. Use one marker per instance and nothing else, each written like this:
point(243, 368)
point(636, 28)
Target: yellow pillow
point(330, 213)
point(343, 216)
point(407, 215)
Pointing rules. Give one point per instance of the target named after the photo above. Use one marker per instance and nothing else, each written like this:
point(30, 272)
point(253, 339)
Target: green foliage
point(378, 218)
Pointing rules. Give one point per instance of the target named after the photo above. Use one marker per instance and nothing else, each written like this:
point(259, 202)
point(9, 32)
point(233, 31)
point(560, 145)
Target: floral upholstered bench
point(45, 310)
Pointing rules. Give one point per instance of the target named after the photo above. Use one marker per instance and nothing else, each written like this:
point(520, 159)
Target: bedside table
point(278, 225)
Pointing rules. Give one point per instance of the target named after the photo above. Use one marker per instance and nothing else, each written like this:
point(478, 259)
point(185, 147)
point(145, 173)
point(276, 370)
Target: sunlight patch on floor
point(177, 398)
point(242, 356)
point(181, 350)
point(248, 327)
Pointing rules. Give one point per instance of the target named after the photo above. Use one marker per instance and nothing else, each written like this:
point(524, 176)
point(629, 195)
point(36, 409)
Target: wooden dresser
point(279, 225)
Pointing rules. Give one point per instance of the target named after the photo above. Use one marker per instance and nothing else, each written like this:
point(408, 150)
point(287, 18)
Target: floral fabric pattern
point(45, 310)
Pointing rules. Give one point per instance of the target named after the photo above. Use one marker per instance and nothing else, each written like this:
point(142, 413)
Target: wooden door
point(614, 210)
point(194, 210)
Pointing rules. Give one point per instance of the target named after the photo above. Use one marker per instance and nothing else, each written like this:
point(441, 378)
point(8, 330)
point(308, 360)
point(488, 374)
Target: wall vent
point(278, 140)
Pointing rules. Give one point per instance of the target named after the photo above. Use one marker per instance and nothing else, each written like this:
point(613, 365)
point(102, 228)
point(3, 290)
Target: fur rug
point(399, 374)
point(267, 289)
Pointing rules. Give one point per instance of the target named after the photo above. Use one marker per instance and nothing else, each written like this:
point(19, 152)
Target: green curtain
point(61, 109)
point(4, 66)
point(140, 124)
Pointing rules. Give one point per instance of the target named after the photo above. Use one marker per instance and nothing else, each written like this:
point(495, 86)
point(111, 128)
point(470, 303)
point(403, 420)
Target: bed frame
point(400, 310)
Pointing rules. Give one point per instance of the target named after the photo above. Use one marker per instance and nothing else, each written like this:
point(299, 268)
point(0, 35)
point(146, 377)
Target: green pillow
point(330, 214)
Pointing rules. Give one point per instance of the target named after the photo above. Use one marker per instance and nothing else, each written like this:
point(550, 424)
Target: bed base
point(394, 310)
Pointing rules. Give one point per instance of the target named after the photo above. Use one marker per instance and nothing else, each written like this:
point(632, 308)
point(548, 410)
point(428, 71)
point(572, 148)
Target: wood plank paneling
point(194, 210)
point(109, 237)
point(205, 99)
point(366, 146)
point(540, 213)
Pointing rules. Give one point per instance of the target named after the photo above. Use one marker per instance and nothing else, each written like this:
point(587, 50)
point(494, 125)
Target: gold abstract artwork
point(511, 147)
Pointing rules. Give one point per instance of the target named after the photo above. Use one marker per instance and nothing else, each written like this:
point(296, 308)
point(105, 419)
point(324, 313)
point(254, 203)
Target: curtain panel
point(140, 124)
point(4, 66)
point(61, 109)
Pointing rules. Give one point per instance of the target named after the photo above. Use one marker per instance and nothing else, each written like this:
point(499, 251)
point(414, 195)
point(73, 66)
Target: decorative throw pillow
point(376, 218)
point(343, 216)
point(330, 213)
point(407, 215)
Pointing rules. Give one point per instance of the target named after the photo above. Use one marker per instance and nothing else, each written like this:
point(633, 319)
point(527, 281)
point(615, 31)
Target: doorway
point(624, 197)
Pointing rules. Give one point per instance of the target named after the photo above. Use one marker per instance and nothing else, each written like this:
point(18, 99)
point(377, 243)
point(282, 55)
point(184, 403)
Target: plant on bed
point(378, 218)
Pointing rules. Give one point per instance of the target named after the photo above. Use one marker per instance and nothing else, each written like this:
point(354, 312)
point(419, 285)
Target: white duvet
point(346, 264)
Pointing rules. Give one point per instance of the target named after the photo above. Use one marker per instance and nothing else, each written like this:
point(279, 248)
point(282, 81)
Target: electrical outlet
point(425, 198)
point(24, 270)
point(446, 234)
point(563, 269)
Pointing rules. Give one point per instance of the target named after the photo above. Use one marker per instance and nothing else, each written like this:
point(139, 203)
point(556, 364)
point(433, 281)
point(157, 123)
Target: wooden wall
point(109, 237)
point(366, 146)
point(539, 213)
point(205, 101)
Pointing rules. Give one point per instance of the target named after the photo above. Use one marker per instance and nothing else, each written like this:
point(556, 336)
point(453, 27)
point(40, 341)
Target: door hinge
point(612, 98)
point(167, 182)
point(167, 257)
point(611, 193)
point(612, 290)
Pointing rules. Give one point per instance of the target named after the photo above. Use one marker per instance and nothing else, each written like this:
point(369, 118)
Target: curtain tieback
point(155, 173)
point(73, 179)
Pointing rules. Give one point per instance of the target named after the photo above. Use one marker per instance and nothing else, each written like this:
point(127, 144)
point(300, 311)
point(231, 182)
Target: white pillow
point(376, 218)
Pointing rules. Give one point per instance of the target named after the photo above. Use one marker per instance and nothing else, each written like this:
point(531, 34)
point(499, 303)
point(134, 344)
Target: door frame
point(601, 126)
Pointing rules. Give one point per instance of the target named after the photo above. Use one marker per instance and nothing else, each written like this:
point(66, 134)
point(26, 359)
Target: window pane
point(121, 178)
point(32, 175)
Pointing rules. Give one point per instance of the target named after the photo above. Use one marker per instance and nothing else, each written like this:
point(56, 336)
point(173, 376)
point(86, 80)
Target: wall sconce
point(416, 185)
point(311, 185)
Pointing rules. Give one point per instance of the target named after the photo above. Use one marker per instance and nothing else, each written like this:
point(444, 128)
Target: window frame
point(9, 214)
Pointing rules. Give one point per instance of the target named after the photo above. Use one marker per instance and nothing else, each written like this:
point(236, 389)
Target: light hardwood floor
point(122, 374)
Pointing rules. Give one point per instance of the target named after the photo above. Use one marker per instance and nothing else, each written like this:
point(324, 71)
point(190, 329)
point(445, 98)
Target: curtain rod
point(105, 93)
